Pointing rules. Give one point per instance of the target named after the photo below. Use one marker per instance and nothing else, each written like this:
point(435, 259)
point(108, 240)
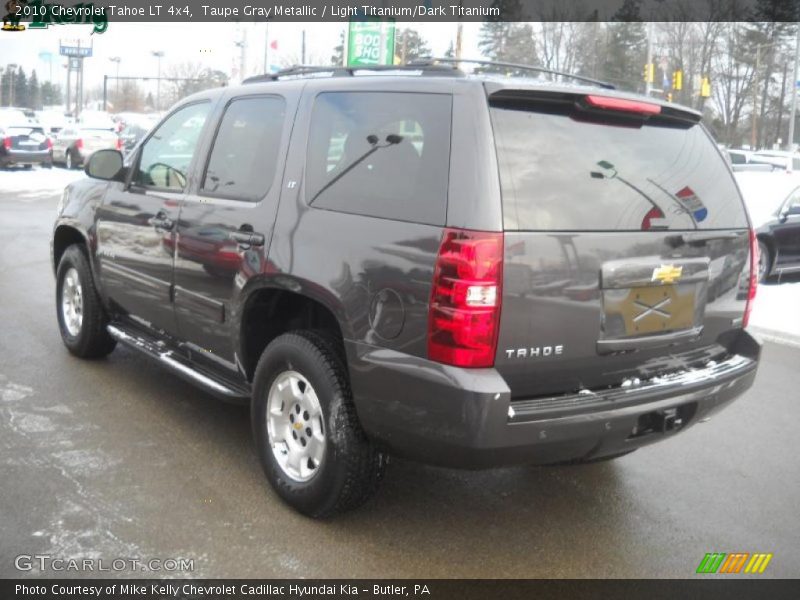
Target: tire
point(348, 468)
point(48, 164)
point(81, 318)
point(68, 161)
point(764, 261)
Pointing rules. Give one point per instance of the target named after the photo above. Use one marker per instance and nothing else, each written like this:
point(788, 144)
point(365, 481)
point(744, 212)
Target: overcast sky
point(210, 43)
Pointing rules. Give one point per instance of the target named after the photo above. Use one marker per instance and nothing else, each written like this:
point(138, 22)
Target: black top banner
point(43, 12)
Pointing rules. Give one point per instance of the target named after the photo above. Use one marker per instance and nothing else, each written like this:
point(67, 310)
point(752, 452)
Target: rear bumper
point(23, 157)
point(460, 417)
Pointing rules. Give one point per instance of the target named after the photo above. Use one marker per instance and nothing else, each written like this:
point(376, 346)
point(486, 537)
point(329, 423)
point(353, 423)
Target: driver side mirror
point(106, 164)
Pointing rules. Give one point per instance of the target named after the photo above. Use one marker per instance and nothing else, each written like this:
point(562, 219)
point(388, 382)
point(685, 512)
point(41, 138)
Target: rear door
point(626, 242)
point(137, 220)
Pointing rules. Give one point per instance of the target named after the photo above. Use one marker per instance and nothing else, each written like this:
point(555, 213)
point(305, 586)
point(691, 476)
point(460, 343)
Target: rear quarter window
point(380, 154)
point(559, 171)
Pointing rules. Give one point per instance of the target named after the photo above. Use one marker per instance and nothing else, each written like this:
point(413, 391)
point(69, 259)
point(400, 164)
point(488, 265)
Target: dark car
point(779, 239)
point(25, 145)
point(466, 271)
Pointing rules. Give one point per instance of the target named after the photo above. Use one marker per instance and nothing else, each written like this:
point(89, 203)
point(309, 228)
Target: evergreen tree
point(34, 92)
point(20, 96)
point(626, 50)
point(51, 94)
point(5, 87)
point(409, 46)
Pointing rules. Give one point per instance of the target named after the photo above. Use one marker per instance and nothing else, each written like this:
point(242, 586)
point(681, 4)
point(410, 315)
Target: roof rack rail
point(430, 61)
point(341, 71)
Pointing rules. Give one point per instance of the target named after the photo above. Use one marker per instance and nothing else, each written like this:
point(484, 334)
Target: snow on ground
point(776, 311)
point(35, 183)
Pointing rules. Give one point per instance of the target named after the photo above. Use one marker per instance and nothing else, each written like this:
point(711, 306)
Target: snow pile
point(28, 184)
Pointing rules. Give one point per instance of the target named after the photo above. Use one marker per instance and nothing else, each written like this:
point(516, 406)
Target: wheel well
point(270, 313)
point(64, 237)
point(768, 242)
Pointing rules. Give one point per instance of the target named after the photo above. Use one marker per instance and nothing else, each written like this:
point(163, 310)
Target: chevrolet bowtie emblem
point(667, 273)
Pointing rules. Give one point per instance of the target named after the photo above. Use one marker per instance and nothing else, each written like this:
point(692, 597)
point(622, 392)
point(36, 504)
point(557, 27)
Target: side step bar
point(225, 390)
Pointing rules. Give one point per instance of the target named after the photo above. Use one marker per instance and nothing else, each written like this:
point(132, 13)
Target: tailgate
point(626, 245)
point(27, 139)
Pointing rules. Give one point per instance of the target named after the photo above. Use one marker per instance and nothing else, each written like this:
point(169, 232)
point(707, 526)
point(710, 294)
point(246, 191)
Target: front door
point(787, 233)
point(226, 221)
point(136, 223)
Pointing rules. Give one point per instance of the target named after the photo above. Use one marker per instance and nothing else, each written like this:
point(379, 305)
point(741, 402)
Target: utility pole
point(754, 128)
point(648, 85)
point(793, 110)
point(115, 59)
point(159, 54)
point(303, 49)
point(266, 49)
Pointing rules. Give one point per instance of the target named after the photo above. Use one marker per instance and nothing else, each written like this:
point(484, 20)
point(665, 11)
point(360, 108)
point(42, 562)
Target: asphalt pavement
point(118, 459)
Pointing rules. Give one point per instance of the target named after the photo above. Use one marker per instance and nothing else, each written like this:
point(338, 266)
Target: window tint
point(380, 154)
point(165, 157)
point(245, 152)
point(561, 171)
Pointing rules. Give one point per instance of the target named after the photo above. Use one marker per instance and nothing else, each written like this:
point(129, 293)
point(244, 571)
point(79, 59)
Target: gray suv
point(469, 271)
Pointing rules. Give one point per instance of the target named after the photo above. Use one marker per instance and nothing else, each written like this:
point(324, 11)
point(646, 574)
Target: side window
point(380, 154)
point(245, 153)
point(166, 155)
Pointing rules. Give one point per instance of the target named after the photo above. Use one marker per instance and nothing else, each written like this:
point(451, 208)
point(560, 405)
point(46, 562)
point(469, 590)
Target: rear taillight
point(79, 144)
point(622, 105)
point(48, 144)
point(119, 144)
point(7, 143)
point(753, 283)
point(464, 312)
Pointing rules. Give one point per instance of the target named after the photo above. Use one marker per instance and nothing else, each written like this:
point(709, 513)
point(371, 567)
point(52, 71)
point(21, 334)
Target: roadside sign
point(74, 48)
point(370, 43)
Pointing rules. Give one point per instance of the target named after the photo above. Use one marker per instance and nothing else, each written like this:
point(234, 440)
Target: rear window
point(380, 154)
point(561, 173)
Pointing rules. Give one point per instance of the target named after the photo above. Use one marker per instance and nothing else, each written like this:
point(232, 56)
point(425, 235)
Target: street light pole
point(159, 54)
point(11, 68)
point(793, 111)
point(114, 59)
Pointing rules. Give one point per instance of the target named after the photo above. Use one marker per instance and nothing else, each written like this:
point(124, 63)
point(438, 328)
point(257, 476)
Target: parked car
point(779, 239)
point(777, 158)
point(74, 144)
point(773, 201)
point(359, 314)
point(25, 145)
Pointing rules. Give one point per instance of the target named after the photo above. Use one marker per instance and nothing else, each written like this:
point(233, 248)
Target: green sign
point(370, 43)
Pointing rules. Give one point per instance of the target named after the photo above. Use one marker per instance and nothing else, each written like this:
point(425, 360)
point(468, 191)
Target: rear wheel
point(81, 317)
point(308, 438)
point(764, 261)
point(69, 163)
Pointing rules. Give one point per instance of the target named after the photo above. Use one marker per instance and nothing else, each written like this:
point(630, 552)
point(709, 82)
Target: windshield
point(562, 171)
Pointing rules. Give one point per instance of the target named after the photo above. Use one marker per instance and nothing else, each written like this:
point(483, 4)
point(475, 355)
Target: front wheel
point(764, 260)
point(307, 434)
point(81, 317)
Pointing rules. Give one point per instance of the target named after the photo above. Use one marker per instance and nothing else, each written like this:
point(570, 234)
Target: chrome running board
point(226, 390)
